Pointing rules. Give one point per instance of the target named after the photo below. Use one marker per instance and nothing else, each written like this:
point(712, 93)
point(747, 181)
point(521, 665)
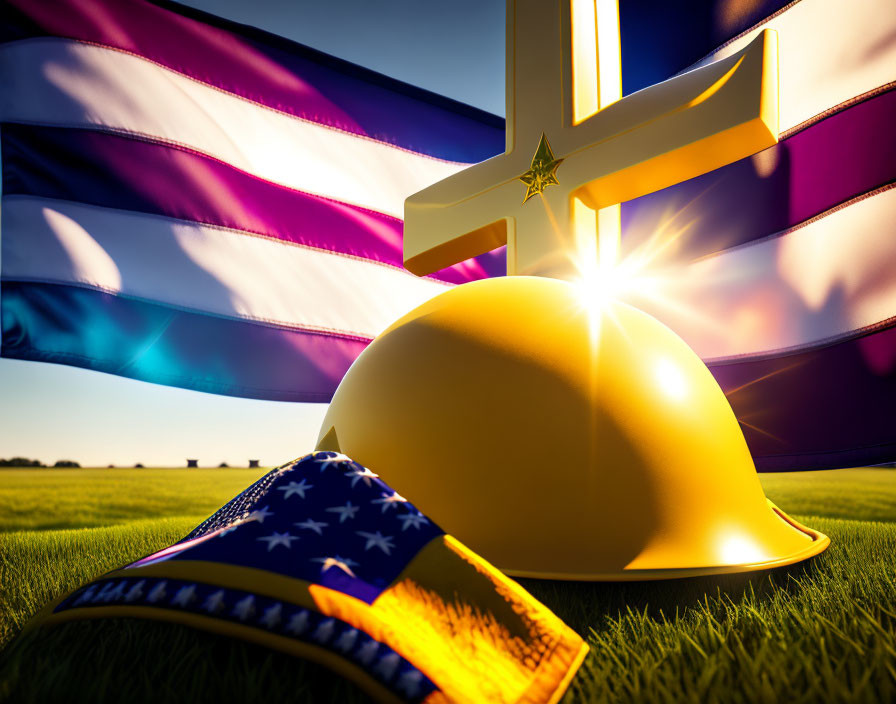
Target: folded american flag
point(322, 559)
point(193, 202)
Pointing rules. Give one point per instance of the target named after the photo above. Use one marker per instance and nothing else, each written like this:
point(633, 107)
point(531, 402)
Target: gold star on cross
point(563, 79)
point(542, 172)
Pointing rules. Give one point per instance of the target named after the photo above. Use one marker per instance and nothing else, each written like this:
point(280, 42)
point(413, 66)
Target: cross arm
point(455, 219)
point(679, 129)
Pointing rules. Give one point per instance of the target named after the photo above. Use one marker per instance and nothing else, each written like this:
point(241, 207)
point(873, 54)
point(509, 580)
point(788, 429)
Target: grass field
point(45, 499)
point(823, 631)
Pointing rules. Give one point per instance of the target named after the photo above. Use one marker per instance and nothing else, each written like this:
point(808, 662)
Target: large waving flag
point(192, 202)
point(784, 275)
point(208, 206)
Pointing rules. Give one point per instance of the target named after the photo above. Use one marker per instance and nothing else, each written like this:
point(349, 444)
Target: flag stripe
point(164, 345)
point(877, 111)
point(115, 171)
point(66, 83)
point(840, 157)
point(269, 70)
point(812, 423)
point(830, 85)
point(826, 407)
point(829, 51)
point(660, 38)
point(810, 284)
point(203, 268)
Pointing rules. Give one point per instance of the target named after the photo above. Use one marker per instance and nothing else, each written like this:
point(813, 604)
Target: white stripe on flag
point(828, 278)
point(829, 51)
point(203, 268)
point(815, 283)
point(66, 83)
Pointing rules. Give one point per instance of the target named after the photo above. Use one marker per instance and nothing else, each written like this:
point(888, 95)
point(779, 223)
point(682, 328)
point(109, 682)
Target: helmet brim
point(819, 544)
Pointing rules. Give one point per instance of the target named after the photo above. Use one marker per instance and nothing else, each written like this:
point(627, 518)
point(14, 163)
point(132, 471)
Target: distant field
point(823, 631)
point(868, 494)
point(43, 499)
point(48, 499)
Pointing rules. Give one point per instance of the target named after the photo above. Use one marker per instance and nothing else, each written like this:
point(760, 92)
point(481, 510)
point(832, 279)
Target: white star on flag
point(324, 631)
point(214, 602)
point(295, 488)
point(327, 462)
point(367, 653)
point(157, 593)
point(412, 520)
point(311, 524)
point(387, 666)
point(245, 608)
point(276, 539)
point(116, 593)
point(345, 512)
point(184, 596)
point(342, 563)
point(272, 615)
point(410, 682)
point(135, 592)
point(383, 542)
point(347, 640)
point(107, 587)
point(388, 502)
point(298, 623)
point(260, 514)
point(87, 595)
point(362, 474)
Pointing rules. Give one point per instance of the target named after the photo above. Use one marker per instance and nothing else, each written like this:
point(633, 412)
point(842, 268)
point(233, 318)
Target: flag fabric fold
point(323, 560)
point(194, 202)
point(165, 171)
point(783, 263)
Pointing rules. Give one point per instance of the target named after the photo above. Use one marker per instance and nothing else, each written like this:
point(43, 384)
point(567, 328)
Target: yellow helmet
point(560, 440)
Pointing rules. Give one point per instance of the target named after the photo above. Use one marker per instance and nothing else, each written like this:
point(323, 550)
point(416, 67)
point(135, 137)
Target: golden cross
point(564, 99)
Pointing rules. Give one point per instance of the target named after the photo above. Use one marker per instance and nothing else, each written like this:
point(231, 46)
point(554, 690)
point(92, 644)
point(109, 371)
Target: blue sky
point(53, 412)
